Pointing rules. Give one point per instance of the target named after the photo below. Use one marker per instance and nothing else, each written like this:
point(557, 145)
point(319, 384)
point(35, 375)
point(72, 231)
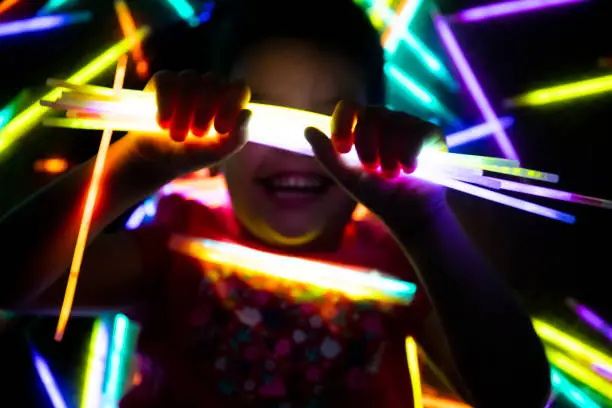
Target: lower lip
point(293, 200)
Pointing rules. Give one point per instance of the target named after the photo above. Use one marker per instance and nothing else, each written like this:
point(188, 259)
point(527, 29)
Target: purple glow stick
point(475, 133)
point(591, 318)
point(553, 194)
point(467, 74)
point(48, 381)
point(42, 23)
point(507, 8)
point(603, 371)
point(496, 197)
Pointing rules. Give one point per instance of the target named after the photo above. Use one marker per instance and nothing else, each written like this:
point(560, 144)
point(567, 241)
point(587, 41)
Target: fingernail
point(409, 169)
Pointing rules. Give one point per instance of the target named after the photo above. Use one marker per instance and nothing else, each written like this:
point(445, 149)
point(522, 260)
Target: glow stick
point(603, 371)
point(507, 8)
point(521, 172)
point(415, 372)
point(475, 133)
point(563, 93)
point(590, 317)
point(563, 386)
point(470, 81)
point(415, 45)
point(553, 194)
point(579, 372)
point(483, 181)
point(51, 166)
point(42, 23)
point(185, 11)
point(53, 5)
point(423, 96)
point(96, 364)
point(126, 21)
point(270, 125)
point(117, 362)
point(90, 204)
point(44, 373)
point(497, 197)
point(569, 344)
point(402, 20)
point(137, 113)
point(8, 112)
point(27, 119)
point(7, 4)
point(352, 281)
point(429, 401)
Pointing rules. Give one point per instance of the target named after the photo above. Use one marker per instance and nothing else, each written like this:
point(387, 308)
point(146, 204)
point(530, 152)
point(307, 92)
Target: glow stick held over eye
point(94, 107)
point(90, 203)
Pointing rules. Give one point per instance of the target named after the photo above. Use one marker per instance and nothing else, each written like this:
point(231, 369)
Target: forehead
point(291, 73)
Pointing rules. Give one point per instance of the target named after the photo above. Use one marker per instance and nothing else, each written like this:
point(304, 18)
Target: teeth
point(296, 182)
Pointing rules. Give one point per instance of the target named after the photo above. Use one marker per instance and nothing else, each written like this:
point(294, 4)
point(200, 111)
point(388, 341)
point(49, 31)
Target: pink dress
point(215, 341)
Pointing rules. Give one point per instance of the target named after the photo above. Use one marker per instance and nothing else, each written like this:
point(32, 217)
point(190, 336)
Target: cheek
point(239, 171)
point(339, 203)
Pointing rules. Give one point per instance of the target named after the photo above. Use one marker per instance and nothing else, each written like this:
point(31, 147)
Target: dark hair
point(237, 26)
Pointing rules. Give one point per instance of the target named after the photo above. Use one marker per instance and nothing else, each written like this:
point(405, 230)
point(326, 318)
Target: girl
point(220, 343)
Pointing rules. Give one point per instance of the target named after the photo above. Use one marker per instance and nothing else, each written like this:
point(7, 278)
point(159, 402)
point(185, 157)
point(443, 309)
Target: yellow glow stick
point(415, 372)
point(356, 283)
point(27, 119)
point(90, 204)
point(564, 92)
point(569, 344)
point(579, 372)
point(136, 111)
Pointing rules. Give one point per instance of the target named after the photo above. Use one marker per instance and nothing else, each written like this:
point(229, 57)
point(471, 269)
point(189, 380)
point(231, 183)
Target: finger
point(388, 144)
point(361, 186)
point(343, 124)
point(412, 133)
point(327, 156)
point(235, 98)
point(207, 104)
point(164, 84)
point(237, 137)
point(188, 87)
point(367, 135)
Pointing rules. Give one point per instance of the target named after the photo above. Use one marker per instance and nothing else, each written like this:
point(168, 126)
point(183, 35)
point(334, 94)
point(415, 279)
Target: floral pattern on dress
point(271, 344)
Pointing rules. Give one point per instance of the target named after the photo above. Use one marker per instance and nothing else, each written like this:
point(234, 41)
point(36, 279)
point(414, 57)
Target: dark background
point(544, 260)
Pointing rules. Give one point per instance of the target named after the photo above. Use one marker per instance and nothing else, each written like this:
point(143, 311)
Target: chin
point(293, 234)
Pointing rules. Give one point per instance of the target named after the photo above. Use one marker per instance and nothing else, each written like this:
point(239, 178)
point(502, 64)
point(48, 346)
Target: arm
point(38, 237)
point(494, 347)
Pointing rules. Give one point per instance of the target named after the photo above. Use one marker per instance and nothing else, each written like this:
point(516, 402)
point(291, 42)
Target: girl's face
point(283, 198)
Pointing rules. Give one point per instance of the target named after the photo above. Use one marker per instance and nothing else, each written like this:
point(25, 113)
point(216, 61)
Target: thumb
point(329, 159)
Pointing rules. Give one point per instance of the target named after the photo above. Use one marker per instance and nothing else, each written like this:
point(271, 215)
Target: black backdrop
point(544, 260)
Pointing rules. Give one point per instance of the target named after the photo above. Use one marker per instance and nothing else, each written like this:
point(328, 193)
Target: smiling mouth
point(295, 184)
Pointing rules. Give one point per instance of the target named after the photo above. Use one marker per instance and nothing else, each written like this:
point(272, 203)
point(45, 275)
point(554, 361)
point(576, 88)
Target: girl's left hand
point(387, 143)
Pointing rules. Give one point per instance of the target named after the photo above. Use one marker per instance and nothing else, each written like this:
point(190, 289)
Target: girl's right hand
point(189, 106)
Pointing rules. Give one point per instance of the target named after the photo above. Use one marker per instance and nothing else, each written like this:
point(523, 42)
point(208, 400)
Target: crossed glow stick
point(356, 283)
point(94, 107)
point(90, 203)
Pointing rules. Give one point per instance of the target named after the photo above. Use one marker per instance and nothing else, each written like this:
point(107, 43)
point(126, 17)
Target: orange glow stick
point(435, 402)
point(90, 203)
point(387, 32)
point(126, 21)
point(7, 4)
point(52, 165)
